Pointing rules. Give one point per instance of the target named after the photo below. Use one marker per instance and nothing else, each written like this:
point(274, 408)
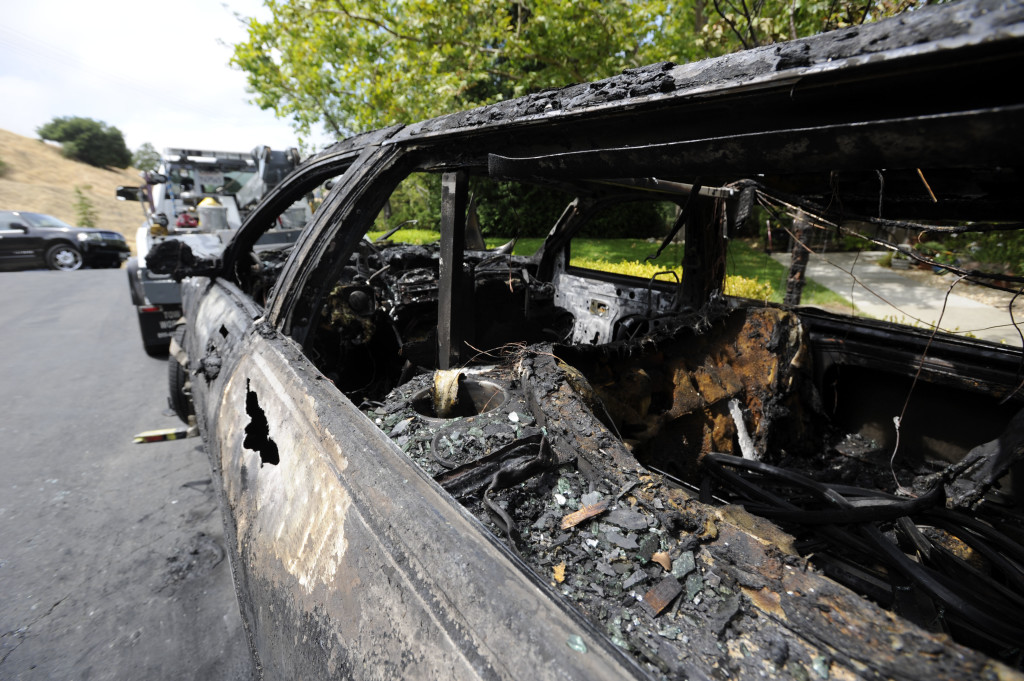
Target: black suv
point(28, 239)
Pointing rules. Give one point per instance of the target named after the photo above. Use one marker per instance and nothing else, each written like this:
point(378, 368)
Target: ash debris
point(531, 452)
point(635, 566)
point(577, 458)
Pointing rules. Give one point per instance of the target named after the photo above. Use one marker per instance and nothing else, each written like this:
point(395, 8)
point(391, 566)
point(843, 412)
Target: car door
point(17, 246)
point(349, 560)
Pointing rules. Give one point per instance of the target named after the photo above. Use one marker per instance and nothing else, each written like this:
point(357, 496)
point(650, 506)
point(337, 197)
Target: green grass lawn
point(755, 264)
point(742, 260)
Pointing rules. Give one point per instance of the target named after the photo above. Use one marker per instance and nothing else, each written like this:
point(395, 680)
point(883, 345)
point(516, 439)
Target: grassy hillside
point(39, 179)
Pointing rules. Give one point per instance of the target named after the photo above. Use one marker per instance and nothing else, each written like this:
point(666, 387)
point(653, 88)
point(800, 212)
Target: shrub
point(741, 287)
point(85, 212)
point(88, 141)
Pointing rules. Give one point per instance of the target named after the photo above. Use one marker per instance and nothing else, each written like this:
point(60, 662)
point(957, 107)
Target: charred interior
point(670, 467)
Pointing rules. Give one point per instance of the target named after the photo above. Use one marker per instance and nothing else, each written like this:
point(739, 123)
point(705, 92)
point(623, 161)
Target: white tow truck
point(200, 197)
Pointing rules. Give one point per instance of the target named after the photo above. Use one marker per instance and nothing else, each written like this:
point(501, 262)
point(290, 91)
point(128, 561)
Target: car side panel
point(349, 561)
point(21, 245)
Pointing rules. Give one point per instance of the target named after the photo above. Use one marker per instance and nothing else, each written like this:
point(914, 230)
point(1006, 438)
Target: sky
point(157, 71)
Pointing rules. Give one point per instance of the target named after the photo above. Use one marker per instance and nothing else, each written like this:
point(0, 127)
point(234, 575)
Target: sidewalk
point(884, 294)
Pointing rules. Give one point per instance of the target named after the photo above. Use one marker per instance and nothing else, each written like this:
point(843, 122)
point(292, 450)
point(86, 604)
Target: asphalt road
point(112, 563)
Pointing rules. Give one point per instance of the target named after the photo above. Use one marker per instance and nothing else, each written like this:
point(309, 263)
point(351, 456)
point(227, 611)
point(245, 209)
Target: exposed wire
point(845, 519)
point(819, 211)
point(857, 280)
point(771, 200)
point(898, 420)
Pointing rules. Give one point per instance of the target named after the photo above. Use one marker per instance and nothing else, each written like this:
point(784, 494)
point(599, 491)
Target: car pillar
point(451, 316)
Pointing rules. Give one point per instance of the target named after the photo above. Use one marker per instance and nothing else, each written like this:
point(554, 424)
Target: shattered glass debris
point(631, 547)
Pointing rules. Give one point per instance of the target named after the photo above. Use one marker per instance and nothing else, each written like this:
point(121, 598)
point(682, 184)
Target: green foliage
point(146, 157)
point(3, 168)
point(507, 209)
point(743, 24)
point(937, 251)
point(354, 65)
point(417, 200)
point(89, 141)
point(527, 246)
point(646, 219)
point(735, 285)
point(418, 237)
point(369, 63)
point(745, 261)
point(1001, 251)
point(619, 250)
point(743, 287)
point(85, 212)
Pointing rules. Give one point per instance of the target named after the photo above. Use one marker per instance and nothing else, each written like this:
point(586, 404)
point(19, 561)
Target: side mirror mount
point(175, 257)
point(129, 194)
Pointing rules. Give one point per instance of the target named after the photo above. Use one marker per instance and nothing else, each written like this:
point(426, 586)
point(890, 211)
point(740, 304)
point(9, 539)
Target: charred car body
point(200, 197)
point(457, 462)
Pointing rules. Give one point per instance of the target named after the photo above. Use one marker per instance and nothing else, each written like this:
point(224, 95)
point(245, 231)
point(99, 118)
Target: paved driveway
point(884, 294)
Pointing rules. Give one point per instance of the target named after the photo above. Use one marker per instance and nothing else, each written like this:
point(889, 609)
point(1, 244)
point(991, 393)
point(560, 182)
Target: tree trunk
point(798, 265)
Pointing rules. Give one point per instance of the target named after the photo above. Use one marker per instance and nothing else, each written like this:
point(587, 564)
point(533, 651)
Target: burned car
point(453, 461)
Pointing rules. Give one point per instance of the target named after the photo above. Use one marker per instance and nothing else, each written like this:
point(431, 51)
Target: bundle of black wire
point(863, 529)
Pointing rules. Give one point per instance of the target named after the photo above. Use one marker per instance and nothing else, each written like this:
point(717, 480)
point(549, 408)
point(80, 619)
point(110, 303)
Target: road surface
point(111, 554)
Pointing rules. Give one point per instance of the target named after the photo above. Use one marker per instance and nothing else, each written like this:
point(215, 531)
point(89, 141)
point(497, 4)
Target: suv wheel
point(63, 257)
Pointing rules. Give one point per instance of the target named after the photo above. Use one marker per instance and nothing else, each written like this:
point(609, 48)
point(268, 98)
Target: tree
point(353, 65)
point(85, 212)
point(744, 24)
point(361, 64)
point(87, 140)
point(146, 157)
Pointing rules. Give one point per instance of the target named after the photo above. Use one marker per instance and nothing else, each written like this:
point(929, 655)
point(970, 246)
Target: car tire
point(64, 257)
point(177, 380)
